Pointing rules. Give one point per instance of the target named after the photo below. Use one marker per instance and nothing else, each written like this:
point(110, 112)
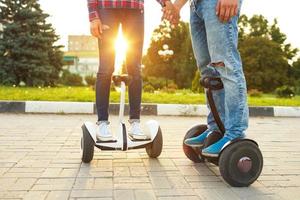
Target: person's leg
point(200, 48)
point(133, 29)
point(108, 17)
point(222, 41)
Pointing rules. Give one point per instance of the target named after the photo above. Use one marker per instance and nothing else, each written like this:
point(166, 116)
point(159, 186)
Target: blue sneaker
point(214, 149)
point(198, 140)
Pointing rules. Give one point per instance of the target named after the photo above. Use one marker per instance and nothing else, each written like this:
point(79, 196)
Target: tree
point(196, 86)
point(295, 74)
point(265, 54)
point(258, 26)
point(296, 69)
point(170, 55)
point(265, 67)
point(27, 50)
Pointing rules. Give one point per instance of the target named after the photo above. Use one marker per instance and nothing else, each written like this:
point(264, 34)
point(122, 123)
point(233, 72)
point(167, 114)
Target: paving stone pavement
point(40, 159)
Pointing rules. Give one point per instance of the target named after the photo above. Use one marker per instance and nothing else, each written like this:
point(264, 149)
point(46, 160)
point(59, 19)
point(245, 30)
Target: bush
point(149, 88)
point(196, 86)
point(297, 88)
point(113, 87)
point(157, 83)
point(255, 93)
point(71, 79)
point(90, 80)
point(285, 92)
point(171, 88)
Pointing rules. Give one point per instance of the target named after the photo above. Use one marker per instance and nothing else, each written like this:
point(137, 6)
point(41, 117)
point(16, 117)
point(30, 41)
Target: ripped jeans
point(215, 49)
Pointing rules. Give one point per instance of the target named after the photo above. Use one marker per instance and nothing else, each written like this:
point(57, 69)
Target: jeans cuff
point(100, 122)
point(134, 120)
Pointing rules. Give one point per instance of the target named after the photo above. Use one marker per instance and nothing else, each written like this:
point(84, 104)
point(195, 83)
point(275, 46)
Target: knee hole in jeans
point(217, 64)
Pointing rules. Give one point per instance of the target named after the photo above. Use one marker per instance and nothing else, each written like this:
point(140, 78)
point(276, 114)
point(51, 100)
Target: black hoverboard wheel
point(190, 152)
point(154, 149)
point(87, 145)
point(241, 163)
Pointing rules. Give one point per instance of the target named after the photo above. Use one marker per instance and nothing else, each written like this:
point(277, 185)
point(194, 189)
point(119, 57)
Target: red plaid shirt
point(95, 5)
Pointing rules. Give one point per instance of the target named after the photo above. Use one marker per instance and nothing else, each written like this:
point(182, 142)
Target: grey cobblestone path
point(40, 159)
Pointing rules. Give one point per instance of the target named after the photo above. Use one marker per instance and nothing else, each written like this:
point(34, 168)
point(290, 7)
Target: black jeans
point(132, 21)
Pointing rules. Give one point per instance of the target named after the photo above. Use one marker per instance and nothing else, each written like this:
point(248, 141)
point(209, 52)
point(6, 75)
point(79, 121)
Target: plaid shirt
point(95, 5)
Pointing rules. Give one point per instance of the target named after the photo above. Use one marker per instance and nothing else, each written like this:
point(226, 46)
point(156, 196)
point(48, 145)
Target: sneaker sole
point(210, 155)
point(139, 137)
point(194, 145)
point(105, 139)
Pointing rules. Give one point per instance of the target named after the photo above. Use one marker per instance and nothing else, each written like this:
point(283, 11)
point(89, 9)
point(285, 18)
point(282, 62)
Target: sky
point(71, 17)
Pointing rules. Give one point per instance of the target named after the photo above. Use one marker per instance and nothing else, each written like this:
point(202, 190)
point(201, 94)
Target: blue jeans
point(132, 21)
point(216, 42)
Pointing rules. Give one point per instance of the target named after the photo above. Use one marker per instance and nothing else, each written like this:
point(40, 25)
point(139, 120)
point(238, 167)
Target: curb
point(147, 109)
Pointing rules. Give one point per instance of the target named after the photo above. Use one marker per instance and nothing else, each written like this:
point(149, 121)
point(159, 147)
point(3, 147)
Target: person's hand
point(96, 28)
point(226, 9)
point(171, 13)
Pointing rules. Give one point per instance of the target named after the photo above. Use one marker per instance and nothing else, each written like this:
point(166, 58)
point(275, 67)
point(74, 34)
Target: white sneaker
point(103, 133)
point(135, 130)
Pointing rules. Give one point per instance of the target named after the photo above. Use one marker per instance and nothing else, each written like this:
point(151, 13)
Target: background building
point(82, 43)
point(82, 55)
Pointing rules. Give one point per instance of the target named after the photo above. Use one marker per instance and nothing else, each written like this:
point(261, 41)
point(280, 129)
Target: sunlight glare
point(121, 46)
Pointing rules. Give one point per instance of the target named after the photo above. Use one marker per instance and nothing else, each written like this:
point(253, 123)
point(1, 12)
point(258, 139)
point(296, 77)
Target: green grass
point(86, 94)
point(82, 54)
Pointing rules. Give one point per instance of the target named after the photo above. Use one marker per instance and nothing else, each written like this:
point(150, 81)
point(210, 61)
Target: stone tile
point(121, 171)
point(211, 185)
point(12, 194)
point(38, 195)
point(160, 182)
point(22, 184)
point(138, 171)
point(145, 195)
point(84, 184)
point(100, 198)
point(5, 183)
point(54, 184)
point(91, 193)
point(3, 171)
point(61, 195)
point(174, 192)
point(132, 186)
point(21, 175)
point(123, 194)
point(179, 198)
point(216, 194)
point(103, 183)
point(286, 193)
point(130, 179)
point(202, 179)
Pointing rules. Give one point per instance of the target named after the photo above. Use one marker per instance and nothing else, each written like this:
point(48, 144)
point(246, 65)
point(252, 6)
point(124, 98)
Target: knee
point(230, 73)
point(104, 74)
point(217, 64)
point(136, 77)
point(135, 72)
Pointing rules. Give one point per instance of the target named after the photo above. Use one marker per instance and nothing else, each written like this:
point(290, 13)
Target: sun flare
point(121, 46)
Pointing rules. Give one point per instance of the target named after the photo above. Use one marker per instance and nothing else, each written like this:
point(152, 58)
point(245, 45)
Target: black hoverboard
point(240, 161)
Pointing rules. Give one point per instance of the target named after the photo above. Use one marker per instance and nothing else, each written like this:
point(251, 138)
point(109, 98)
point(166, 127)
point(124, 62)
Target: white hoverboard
point(123, 141)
